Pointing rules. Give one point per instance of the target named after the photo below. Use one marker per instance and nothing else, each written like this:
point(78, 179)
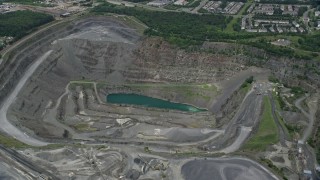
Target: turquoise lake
point(135, 99)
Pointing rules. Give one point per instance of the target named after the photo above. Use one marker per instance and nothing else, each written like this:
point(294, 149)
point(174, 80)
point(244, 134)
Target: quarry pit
point(72, 69)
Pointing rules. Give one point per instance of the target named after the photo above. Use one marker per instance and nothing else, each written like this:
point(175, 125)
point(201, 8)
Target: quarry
point(79, 84)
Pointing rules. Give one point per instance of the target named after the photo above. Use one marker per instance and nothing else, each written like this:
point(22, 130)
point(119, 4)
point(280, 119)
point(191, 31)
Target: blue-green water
point(135, 99)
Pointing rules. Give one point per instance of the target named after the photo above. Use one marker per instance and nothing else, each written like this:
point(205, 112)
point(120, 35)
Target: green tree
point(20, 23)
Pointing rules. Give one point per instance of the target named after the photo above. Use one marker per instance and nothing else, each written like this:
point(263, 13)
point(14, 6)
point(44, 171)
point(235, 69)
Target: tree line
point(20, 23)
point(185, 29)
point(182, 28)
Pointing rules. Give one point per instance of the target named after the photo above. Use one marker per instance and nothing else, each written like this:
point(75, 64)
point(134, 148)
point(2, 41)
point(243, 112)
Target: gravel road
point(6, 126)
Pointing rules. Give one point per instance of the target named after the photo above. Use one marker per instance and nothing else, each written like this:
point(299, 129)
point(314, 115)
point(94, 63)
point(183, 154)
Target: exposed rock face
point(77, 55)
point(103, 49)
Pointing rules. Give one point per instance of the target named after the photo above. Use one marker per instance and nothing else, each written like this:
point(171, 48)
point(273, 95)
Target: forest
point(182, 28)
point(310, 42)
point(185, 29)
point(20, 23)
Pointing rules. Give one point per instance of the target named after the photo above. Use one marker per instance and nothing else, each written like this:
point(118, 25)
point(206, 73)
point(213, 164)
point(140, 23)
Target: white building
point(243, 23)
point(295, 24)
point(301, 29)
point(252, 30)
point(263, 30)
point(180, 2)
point(279, 29)
point(293, 29)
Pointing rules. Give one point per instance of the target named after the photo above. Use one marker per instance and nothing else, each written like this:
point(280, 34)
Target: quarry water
point(135, 99)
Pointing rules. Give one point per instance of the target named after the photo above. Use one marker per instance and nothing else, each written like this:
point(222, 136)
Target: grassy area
point(12, 143)
point(177, 86)
point(293, 129)
point(230, 25)
point(85, 84)
point(278, 109)
point(274, 168)
point(172, 7)
point(245, 88)
point(244, 8)
point(281, 121)
point(246, 85)
point(84, 127)
point(190, 92)
point(300, 50)
point(81, 82)
point(134, 23)
point(267, 133)
point(237, 18)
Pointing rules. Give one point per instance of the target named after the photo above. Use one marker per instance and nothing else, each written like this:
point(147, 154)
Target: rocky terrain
point(64, 101)
point(113, 54)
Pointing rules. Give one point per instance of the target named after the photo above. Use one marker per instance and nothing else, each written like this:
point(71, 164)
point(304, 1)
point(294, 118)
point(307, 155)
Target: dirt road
point(307, 151)
point(244, 120)
point(50, 118)
point(310, 115)
point(6, 126)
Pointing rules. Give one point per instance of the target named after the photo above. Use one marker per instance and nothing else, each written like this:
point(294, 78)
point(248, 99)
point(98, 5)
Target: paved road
point(225, 169)
point(6, 126)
